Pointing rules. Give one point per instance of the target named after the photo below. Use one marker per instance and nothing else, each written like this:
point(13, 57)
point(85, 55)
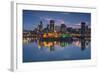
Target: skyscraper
point(57, 28)
point(40, 26)
point(63, 28)
point(52, 25)
point(83, 25)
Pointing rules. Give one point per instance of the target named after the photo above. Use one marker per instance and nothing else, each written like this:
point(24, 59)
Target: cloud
point(46, 18)
point(57, 21)
point(60, 21)
point(78, 24)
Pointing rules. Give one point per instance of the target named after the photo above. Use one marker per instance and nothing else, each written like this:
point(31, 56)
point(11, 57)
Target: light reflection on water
point(55, 50)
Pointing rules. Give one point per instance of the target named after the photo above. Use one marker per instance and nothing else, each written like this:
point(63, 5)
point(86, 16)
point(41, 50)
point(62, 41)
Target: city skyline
point(31, 18)
point(53, 36)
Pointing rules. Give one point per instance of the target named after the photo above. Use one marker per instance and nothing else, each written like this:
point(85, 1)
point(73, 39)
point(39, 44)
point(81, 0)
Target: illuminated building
point(52, 27)
point(83, 24)
point(63, 28)
point(83, 28)
point(57, 28)
point(40, 26)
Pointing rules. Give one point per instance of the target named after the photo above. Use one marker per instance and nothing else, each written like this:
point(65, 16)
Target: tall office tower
point(63, 28)
point(52, 25)
point(83, 24)
point(40, 26)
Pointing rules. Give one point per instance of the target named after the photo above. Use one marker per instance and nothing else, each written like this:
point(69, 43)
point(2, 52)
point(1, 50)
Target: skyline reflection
point(51, 44)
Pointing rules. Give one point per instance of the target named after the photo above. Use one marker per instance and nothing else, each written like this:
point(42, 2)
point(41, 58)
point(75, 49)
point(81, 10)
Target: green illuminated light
point(65, 35)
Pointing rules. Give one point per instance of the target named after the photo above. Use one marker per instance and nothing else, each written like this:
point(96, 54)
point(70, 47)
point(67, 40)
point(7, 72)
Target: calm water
point(52, 51)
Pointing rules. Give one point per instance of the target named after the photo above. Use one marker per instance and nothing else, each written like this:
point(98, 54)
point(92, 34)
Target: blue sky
point(32, 18)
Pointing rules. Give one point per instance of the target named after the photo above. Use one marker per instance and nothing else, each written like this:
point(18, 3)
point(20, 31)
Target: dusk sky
point(31, 18)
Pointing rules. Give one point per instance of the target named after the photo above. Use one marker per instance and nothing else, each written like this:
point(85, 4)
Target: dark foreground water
point(54, 51)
